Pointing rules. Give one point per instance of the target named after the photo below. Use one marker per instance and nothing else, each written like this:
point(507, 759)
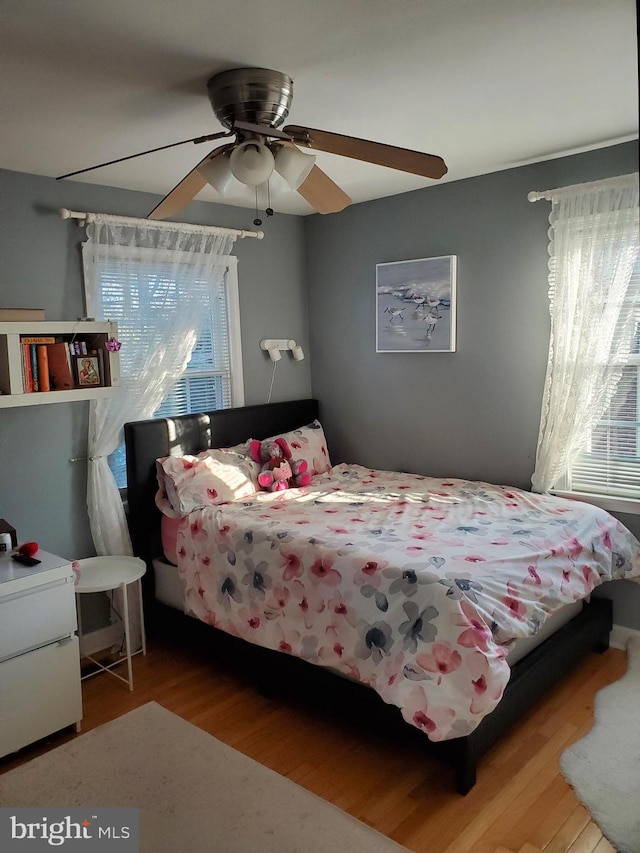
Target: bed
point(434, 610)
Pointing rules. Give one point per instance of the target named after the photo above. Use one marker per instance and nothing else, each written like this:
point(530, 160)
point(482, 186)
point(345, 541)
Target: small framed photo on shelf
point(88, 371)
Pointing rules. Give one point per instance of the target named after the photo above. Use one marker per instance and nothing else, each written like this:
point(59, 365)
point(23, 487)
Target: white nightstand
point(40, 689)
point(105, 574)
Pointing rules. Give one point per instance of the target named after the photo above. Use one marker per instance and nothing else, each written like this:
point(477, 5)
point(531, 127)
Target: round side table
point(106, 574)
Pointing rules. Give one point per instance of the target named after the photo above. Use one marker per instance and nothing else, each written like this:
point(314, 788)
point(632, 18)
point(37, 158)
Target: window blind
point(610, 463)
point(143, 295)
point(206, 383)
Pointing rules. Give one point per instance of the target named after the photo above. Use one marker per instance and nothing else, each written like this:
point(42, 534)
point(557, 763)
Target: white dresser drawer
point(40, 693)
point(36, 616)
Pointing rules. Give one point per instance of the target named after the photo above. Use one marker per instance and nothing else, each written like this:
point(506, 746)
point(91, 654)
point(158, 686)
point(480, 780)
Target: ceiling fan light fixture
point(217, 172)
point(294, 165)
point(251, 163)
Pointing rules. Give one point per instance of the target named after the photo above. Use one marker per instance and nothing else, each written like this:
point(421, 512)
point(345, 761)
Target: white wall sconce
point(275, 347)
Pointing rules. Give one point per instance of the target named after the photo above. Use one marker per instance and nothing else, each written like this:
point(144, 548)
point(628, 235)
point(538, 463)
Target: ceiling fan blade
point(404, 159)
point(186, 190)
point(196, 139)
point(322, 193)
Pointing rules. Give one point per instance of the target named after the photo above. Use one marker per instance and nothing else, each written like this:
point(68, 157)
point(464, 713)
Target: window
point(588, 442)
point(163, 283)
point(610, 462)
point(142, 303)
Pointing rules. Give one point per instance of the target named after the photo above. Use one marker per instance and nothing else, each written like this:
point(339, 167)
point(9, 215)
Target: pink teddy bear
point(279, 471)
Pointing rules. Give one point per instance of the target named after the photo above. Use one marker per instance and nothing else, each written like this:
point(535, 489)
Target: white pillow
point(215, 476)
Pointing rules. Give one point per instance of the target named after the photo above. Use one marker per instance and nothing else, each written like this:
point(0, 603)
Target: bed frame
point(531, 677)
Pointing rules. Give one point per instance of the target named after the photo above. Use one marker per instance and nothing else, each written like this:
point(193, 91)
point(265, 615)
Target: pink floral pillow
point(308, 443)
point(212, 477)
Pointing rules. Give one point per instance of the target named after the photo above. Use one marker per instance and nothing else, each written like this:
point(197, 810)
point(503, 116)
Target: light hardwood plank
point(569, 831)
point(603, 846)
point(587, 841)
point(545, 825)
point(507, 798)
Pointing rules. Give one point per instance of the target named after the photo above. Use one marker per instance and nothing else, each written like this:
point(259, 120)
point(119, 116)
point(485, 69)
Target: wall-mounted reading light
point(274, 346)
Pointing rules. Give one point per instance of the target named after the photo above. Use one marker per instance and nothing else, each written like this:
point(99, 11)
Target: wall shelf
point(12, 373)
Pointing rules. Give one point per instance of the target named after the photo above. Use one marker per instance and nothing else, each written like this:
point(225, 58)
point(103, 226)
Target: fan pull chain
point(269, 210)
point(257, 221)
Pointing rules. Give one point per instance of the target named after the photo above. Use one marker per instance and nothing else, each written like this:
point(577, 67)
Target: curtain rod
point(548, 195)
point(180, 226)
point(544, 195)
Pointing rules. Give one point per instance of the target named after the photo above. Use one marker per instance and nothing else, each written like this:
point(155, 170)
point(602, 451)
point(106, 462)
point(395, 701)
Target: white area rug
point(194, 792)
point(604, 767)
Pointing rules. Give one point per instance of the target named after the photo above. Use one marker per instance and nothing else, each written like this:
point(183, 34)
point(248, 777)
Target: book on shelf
point(77, 347)
point(103, 363)
point(37, 339)
point(33, 354)
point(21, 315)
point(60, 367)
point(27, 373)
point(42, 357)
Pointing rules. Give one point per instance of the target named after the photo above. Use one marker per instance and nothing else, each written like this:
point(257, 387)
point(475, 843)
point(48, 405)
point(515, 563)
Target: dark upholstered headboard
point(148, 440)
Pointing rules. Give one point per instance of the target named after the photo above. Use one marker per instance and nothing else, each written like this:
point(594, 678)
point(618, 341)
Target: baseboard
point(103, 638)
point(620, 636)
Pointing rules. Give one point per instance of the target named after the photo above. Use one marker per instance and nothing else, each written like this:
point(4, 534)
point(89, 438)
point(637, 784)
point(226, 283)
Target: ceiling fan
point(252, 103)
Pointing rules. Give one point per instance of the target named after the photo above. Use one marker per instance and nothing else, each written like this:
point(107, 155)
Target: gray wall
point(41, 493)
point(473, 413)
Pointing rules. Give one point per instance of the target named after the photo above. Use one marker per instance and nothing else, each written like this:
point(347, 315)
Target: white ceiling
point(486, 84)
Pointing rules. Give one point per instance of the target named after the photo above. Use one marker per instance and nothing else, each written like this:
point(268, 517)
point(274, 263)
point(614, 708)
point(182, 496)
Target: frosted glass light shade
point(217, 173)
point(293, 165)
point(251, 163)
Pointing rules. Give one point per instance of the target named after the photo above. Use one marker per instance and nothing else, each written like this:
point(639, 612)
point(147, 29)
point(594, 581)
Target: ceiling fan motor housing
point(254, 95)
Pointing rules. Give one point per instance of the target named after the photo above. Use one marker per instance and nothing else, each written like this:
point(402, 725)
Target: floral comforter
point(412, 585)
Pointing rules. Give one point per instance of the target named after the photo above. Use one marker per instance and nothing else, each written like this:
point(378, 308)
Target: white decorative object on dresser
point(40, 691)
point(91, 337)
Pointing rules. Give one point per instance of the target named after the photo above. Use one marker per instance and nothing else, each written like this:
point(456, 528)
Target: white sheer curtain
point(132, 265)
point(593, 248)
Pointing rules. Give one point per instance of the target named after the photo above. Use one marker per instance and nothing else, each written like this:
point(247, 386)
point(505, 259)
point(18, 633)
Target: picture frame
point(416, 305)
point(88, 374)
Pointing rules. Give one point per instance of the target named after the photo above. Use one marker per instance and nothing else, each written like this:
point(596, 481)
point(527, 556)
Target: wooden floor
point(520, 804)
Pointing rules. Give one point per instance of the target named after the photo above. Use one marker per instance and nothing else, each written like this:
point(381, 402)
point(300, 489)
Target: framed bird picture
point(416, 305)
